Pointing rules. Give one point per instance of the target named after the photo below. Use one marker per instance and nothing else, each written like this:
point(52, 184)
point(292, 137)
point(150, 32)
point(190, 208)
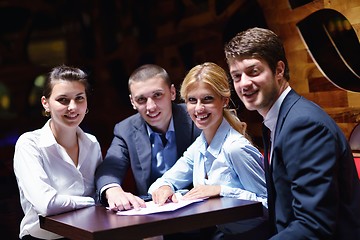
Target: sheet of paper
point(151, 207)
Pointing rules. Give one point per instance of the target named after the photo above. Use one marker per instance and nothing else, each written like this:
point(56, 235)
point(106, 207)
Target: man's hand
point(118, 199)
point(164, 193)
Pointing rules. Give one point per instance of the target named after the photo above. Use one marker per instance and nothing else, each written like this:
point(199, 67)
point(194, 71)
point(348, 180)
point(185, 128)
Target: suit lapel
point(182, 128)
point(286, 105)
point(143, 147)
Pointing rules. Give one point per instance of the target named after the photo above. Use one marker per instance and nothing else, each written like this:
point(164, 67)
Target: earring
point(87, 110)
point(46, 113)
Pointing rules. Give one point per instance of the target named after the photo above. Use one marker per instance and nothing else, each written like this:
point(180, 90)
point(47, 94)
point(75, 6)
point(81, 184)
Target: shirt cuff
point(102, 196)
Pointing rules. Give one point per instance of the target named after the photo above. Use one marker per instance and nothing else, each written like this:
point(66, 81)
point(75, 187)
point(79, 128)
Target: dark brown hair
point(65, 73)
point(258, 43)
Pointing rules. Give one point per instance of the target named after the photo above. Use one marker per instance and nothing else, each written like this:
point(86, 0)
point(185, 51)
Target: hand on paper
point(119, 200)
point(152, 207)
point(163, 194)
point(202, 191)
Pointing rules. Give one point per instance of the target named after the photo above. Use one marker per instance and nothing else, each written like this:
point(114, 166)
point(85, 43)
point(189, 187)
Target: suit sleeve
point(115, 165)
point(309, 152)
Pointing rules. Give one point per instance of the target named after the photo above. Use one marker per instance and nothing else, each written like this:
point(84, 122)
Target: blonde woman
point(222, 161)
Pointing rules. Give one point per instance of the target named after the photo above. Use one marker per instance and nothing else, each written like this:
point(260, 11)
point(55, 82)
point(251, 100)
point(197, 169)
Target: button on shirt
point(229, 161)
point(163, 151)
point(48, 180)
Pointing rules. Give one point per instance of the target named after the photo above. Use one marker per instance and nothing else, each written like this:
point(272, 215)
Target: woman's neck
point(67, 138)
point(210, 132)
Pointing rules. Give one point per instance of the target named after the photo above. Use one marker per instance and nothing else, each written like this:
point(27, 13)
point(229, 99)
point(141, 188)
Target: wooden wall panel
point(306, 78)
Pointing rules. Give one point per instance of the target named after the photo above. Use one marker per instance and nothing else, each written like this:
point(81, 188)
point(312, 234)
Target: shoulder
point(91, 137)
point(305, 112)
point(235, 142)
point(297, 111)
point(31, 143)
point(235, 136)
point(309, 126)
point(134, 120)
point(87, 138)
point(29, 137)
point(298, 106)
point(38, 136)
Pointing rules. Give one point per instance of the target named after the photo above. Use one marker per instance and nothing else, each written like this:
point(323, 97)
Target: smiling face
point(255, 84)
point(67, 104)
point(153, 98)
point(205, 107)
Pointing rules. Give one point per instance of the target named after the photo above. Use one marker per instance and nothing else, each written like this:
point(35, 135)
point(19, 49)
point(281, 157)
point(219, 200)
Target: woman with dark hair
point(55, 165)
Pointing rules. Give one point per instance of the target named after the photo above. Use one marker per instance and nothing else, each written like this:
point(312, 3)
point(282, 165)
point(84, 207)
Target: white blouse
point(48, 180)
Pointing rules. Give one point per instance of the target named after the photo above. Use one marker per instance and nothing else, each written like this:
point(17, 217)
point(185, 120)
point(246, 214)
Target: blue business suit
point(313, 179)
point(131, 147)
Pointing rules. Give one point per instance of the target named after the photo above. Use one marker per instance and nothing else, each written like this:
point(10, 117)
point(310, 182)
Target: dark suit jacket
point(131, 148)
point(314, 181)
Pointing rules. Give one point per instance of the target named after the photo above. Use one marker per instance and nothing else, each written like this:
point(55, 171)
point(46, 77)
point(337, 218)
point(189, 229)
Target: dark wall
point(108, 39)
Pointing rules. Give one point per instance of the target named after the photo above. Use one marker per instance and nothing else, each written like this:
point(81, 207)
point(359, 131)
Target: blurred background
point(110, 38)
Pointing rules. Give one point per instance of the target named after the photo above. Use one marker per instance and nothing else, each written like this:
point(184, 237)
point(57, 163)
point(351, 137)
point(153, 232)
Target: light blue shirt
point(163, 156)
point(230, 161)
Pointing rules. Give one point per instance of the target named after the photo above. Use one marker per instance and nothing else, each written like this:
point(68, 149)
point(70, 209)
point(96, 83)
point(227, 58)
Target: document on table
point(151, 207)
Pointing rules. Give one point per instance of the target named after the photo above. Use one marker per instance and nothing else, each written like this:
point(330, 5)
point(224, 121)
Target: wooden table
point(100, 224)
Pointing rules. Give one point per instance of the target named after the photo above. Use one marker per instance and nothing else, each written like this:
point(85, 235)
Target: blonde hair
point(216, 77)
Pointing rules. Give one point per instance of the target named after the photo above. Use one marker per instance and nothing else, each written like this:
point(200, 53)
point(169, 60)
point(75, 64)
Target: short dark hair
point(147, 71)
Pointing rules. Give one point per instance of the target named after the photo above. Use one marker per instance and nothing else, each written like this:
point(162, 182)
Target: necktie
point(268, 176)
point(267, 143)
point(163, 139)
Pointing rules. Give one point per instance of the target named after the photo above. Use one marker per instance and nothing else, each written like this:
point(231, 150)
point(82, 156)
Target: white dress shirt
point(271, 117)
point(48, 180)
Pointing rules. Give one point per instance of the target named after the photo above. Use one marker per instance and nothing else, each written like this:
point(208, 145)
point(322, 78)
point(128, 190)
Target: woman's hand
point(164, 193)
point(203, 191)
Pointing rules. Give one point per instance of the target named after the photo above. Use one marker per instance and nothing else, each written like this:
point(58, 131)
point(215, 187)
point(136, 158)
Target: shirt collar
point(218, 140)
point(272, 116)
point(47, 138)
point(170, 128)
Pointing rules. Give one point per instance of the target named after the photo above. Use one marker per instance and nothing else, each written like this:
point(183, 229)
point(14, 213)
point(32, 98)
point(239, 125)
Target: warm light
point(4, 97)
point(347, 25)
point(47, 53)
point(36, 91)
point(5, 102)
